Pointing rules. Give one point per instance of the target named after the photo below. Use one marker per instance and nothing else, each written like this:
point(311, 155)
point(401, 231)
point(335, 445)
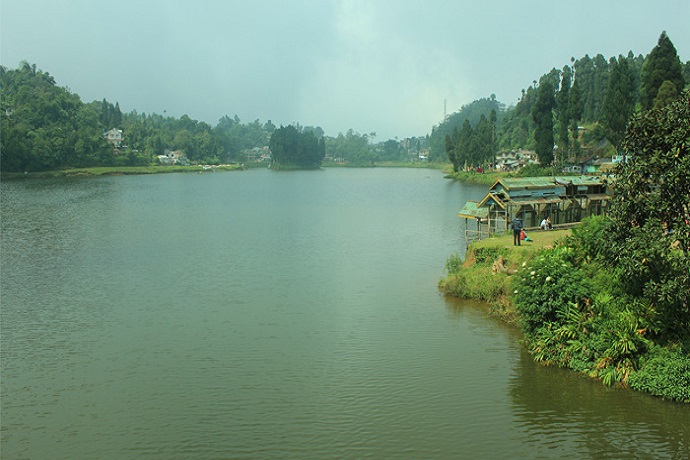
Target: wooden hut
point(565, 199)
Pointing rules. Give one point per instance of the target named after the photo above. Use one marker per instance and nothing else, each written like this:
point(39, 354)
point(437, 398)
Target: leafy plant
point(547, 284)
point(665, 373)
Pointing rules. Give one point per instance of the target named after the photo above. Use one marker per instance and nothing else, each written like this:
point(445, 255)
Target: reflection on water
point(600, 422)
point(264, 315)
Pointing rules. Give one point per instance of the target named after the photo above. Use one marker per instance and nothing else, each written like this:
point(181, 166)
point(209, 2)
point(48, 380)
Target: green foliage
point(664, 372)
point(625, 276)
point(589, 239)
point(667, 93)
point(351, 147)
point(542, 114)
point(545, 285)
point(471, 113)
point(45, 126)
point(472, 147)
point(572, 319)
point(650, 238)
point(489, 254)
point(661, 65)
point(478, 284)
point(619, 102)
point(453, 263)
point(290, 148)
point(564, 116)
point(533, 170)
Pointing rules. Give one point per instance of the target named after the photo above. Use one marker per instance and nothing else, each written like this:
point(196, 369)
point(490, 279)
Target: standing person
point(517, 228)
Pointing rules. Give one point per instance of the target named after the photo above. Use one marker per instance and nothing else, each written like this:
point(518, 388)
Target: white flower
point(548, 278)
point(533, 273)
point(515, 292)
point(524, 263)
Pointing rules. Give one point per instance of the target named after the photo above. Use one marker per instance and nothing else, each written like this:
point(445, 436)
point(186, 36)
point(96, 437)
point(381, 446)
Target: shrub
point(453, 264)
point(487, 254)
point(665, 373)
point(589, 239)
point(548, 283)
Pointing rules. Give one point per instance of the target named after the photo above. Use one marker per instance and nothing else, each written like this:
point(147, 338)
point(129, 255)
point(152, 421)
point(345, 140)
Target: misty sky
point(383, 66)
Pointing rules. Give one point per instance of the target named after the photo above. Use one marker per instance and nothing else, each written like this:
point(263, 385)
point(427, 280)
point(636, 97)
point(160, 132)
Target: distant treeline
point(46, 127)
point(597, 94)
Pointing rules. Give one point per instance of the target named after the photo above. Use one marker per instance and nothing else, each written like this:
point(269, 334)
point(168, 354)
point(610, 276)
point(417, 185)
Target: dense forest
point(45, 126)
point(291, 148)
point(582, 109)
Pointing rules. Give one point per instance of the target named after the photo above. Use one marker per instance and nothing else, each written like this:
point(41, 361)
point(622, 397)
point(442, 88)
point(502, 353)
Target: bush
point(547, 284)
point(453, 264)
point(665, 373)
point(589, 239)
point(488, 254)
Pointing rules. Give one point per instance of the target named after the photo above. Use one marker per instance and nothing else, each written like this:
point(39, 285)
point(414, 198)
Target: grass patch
point(473, 277)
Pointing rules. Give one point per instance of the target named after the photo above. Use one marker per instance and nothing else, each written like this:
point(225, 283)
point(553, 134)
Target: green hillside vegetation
point(612, 298)
point(582, 108)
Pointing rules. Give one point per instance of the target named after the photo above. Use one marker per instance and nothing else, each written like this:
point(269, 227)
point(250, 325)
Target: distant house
point(114, 136)
point(515, 160)
point(176, 157)
point(565, 200)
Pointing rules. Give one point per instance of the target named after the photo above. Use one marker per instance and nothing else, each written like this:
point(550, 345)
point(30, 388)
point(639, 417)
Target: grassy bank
point(122, 170)
point(474, 277)
point(573, 308)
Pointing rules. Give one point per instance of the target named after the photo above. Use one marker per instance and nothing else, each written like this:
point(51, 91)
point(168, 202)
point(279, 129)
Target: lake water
point(281, 315)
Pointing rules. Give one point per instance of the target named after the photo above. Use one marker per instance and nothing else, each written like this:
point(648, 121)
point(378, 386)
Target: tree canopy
point(45, 126)
point(651, 214)
point(661, 65)
point(594, 93)
point(292, 148)
point(542, 114)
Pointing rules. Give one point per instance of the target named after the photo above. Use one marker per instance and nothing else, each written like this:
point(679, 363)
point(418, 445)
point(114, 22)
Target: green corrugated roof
point(470, 211)
point(546, 182)
point(579, 180)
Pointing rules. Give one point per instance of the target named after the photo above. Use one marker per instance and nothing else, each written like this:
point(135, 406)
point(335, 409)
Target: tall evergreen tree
point(575, 114)
point(492, 121)
point(667, 93)
point(619, 103)
point(452, 148)
point(564, 112)
point(464, 145)
point(542, 113)
point(661, 65)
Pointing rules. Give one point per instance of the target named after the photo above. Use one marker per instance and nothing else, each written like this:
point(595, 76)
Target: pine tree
point(564, 112)
point(661, 65)
point(619, 103)
point(542, 114)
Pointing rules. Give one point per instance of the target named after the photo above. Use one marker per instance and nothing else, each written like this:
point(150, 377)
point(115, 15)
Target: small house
point(114, 136)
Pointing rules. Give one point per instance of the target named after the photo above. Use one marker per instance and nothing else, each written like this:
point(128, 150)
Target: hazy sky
point(383, 66)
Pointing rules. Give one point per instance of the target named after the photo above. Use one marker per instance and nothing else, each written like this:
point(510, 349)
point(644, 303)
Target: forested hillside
point(582, 105)
point(45, 126)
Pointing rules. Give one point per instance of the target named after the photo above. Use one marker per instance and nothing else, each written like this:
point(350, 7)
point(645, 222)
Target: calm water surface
point(276, 315)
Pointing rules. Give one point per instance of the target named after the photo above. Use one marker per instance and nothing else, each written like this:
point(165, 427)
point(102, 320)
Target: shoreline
point(167, 169)
point(120, 171)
